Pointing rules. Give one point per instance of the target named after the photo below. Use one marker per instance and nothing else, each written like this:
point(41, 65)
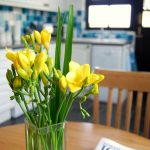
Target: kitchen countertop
point(119, 42)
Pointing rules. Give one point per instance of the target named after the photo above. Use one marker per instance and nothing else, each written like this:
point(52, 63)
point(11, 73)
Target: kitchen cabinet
point(81, 53)
point(112, 57)
point(45, 5)
point(5, 103)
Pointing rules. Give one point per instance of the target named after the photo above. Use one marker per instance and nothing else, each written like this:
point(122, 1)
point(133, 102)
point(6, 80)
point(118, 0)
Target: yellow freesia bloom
point(73, 66)
point(11, 55)
point(39, 61)
point(45, 69)
point(22, 73)
point(44, 79)
point(94, 78)
point(37, 36)
point(23, 61)
point(30, 55)
point(95, 89)
point(63, 84)
point(46, 45)
point(17, 82)
point(77, 76)
point(45, 38)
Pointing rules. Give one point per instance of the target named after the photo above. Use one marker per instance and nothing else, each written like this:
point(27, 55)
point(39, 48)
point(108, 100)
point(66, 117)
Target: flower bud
point(45, 69)
point(44, 79)
point(50, 63)
point(27, 38)
point(17, 82)
point(95, 89)
point(63, 84)
point(59, 73)
point(37, 48)
point(9, 76)
point(23, 60)
point(45, 36)
point(11, 55)
point(37, 36)
point(31, 56)
point(32, 38)
point(34, 75)
point(39, 61)
point(46, 45)
point(56, 73)
point(22, 73)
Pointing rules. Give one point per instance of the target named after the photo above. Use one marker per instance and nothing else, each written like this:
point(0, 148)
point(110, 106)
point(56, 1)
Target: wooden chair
point(131, 81)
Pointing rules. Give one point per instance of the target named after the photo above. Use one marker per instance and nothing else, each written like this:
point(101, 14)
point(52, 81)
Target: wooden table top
point(80, 136)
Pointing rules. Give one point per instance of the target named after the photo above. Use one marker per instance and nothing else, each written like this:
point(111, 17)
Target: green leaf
point(58, 41)
point(68, 44)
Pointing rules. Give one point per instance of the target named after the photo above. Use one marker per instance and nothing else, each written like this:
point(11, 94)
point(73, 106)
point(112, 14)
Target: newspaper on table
point(108, 144)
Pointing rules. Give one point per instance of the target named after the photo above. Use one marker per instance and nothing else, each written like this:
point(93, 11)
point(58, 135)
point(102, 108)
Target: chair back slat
point(147, 117)
point(138, 112)
point(96, 109)
point(109, 107)
point(128, 110)
point(119, 109)
point(126, 80)
point(132, 82)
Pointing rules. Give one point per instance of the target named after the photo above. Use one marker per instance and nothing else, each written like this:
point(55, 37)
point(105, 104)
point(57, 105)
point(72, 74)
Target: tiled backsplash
point(17, 21)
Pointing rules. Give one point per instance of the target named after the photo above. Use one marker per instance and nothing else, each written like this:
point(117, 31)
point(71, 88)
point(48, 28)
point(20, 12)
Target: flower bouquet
point(38, 80)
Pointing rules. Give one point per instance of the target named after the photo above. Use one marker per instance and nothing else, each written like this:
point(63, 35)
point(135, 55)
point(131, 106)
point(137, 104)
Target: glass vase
point(46, 138)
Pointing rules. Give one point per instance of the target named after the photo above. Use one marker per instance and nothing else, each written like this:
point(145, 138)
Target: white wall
point(78, 4)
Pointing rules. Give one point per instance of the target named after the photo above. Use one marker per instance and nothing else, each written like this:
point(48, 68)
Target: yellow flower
point(34, 75)
point(94, 78)
point(31, 56)
point(17, 82)
point(77, 76)
point(45, 69)
point(37, 36)
point(95, 89)
point(50, 64)
point(63, 84)
point(22, 73)
point(11, 55)
point(39, 61)
point(45, 38)
point(44, 79)
point(23, 60)
point(46, 45)
point(73, 66)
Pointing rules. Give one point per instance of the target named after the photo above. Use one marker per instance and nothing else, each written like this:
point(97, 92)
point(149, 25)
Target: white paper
point(108, 144)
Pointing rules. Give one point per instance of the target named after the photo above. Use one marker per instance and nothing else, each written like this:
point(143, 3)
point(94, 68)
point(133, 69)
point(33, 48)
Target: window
point(113, 16)
point(97, 17)
point(109, 15)
point(146, 14)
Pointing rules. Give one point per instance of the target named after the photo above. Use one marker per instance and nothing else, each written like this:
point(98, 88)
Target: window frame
point(110, 2)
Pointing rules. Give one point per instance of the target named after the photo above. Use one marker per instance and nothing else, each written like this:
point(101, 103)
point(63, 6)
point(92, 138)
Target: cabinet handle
point(46, 5)
point(108, 53)
point(88, 46)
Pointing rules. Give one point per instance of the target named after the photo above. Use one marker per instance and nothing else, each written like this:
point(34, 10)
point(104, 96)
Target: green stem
point(65, 110)
point(59, 109)
point(27, 108)
point(26, 114)
point(39, 109)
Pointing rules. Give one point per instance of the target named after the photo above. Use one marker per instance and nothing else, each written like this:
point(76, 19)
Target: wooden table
point(80, 136)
